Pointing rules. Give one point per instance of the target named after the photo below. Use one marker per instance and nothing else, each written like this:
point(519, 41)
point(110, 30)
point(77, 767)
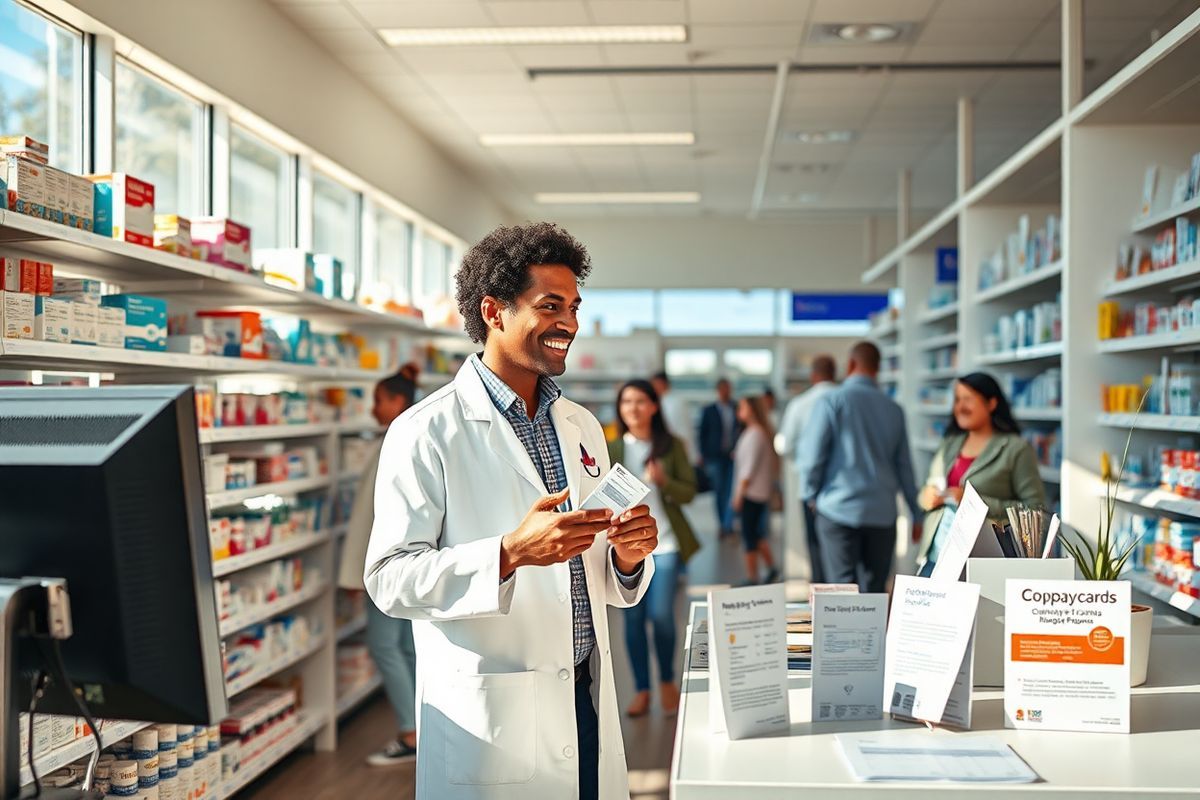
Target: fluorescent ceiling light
point(869, 33)
point(583, 198)
point(575, 34)
point(585, 139)
point(820, 137)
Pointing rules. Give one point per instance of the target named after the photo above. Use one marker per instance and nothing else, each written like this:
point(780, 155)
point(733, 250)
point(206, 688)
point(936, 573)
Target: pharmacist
point(475, 540)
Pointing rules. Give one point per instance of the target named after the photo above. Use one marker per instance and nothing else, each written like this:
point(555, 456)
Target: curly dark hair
point(498, 266)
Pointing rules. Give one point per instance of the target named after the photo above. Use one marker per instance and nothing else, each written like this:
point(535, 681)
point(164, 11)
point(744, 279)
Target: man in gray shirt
point(854, 459)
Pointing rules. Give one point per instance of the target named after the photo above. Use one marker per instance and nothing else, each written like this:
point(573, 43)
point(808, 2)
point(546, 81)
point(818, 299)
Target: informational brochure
point(815, 589)
point(1067, 655)
point(847, 661)
point(619, 491)
point(921, 757)
point(747, 661)
point(969, 520)
point(928, 634)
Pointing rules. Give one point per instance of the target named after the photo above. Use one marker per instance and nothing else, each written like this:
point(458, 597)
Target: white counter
point(1161, 757)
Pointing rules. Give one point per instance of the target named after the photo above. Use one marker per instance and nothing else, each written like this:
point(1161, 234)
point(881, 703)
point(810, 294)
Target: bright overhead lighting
point(575, 34)
point(583, 198)
point(585, 139)
point(868, 33)
point(820, 137)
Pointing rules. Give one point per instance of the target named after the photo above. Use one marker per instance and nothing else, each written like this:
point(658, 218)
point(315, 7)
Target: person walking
point(719, 430)
point(982, 445)
point(855, 459)
point(755, 471)
point(647, 447)
point(389, 639)
point(675, 414)
point(796, 416)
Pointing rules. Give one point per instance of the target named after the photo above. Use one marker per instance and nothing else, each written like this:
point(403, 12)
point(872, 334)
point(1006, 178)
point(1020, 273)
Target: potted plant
point(1106, 561)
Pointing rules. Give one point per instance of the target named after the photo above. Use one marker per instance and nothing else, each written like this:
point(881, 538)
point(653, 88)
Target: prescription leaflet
point(618, 492)
point(1066, 655)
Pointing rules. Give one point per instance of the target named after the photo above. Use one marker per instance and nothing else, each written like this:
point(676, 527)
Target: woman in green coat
point(645, 447)
point(982, 445)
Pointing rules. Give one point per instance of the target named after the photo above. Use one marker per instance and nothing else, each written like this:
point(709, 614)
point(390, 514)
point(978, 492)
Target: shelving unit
point(308, 724)
point(1150, 422)
point(355, 697)
point(1146, 584)
point(937, 342)
point(274, 608)
point(354, 626)
point(258, 433)
point(1018, 284)
point(930, 315)
point(932, 410)
point(936, 375)
point(110, 732)
point(1038, 352)
point(1038, 414)
point(232, 497)
point(1186, 272)
point(296, 544)
point(250, 679)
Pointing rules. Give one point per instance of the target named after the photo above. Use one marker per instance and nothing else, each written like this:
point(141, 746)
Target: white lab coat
point(495, 663)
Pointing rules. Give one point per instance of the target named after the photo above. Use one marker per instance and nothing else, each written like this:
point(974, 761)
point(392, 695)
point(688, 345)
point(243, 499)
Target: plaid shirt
point(541, 443)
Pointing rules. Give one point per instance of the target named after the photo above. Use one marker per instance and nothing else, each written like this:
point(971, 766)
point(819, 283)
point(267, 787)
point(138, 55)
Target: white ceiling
point(903, 121)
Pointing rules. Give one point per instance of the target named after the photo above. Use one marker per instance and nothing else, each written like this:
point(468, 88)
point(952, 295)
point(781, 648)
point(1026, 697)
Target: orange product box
point(20, 275)
point(45, 279)
point(242, 327)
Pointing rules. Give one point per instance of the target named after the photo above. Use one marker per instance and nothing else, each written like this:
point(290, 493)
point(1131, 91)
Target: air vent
point(82, 430)
point(861, 33)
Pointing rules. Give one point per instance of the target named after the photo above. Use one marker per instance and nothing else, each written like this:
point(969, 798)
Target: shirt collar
point(863, 379)
point(504, 398)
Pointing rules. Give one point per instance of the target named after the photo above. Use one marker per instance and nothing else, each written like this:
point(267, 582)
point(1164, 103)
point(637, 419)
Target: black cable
point(39, 686)
point(61, 673)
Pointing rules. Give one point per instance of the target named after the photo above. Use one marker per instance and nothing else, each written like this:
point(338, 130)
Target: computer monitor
point(103, 487)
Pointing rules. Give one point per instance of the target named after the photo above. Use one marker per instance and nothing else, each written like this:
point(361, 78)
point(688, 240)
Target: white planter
point(1140, 628)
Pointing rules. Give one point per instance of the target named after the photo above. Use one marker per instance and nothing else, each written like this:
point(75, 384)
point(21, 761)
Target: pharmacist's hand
point(736, 503)
point(654, 473)
point(954, 493)
point(633, 535)
point(931, 498)
point(547, 536)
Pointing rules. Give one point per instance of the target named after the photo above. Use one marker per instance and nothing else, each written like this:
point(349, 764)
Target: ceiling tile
point(980, 10)
point(538, 12)
point(744, 12)
point(423, 14)
point(454, 61)
point(637, 12)
point(745, 36)
point(872, 10)
point(348, 42)
point(322, 17)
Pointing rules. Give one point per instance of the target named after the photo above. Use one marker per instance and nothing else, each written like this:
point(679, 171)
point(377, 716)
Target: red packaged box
point(45, 279)
point(222, 241)
point(20, 275)
point(243, 327)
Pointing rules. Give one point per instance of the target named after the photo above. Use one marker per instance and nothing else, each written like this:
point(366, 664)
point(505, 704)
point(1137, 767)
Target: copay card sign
point(847, 662)
point(927, 638)
point(1066, 655)
point(747, 665)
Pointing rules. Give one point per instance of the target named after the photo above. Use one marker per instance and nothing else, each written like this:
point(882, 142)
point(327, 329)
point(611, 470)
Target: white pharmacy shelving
point(1146, 583)
point(258, 433)
point(1037, 352)
point(937, 375)
point(352, 627)
point(293, 544)
point(1165, 217)
point(930, 315)
point(243, 682)
point(1186, 272)
point(110, 732)
point(1020, 283)
point(233, 497)
point(267, 610)
point(933, 410)
point(307, 724)
point(937, 342)
point(354, 697)
point(1150, 422)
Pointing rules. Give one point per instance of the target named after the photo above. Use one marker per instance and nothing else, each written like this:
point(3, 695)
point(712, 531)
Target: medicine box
point(81, 290)
point(190, 343)
point(85, 323)
point(26, 186)
point(16, 315)
point(20, 275)
point(329, 273)
point(240, 330)
point(52, 320)
point(145, 320)
point(83, 201)
point(45, 279)
point(26, 147)
point(173, 234)
point(58, 195)
point(287, 267)
point(111, 327)
point(123, 208)
point(222, 241)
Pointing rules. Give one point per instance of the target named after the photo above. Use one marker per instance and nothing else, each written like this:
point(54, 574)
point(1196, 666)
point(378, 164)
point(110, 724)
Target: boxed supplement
point(85, 323)
point(58, 195)
point(81, 290)
point(3, 190)
point(173, 234)
point(192, 344)
point(83, 200)
point(25, 147)
point(222, 241)
point(45, 279)
point(110, 326)
point(237, 330)
point(145, 320)
point(52, 319)
point(123, 208)
point(26, 186)
point(329, 274)
point(20, 275)
point(288, 267)
point(189, 325)
point(16, 315)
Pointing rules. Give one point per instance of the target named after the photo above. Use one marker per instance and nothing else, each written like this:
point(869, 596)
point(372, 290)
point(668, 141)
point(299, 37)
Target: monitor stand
point(29, 608)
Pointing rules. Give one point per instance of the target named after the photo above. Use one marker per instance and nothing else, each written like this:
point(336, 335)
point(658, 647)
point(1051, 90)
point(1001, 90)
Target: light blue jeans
point(390, 642)
point(657, 608)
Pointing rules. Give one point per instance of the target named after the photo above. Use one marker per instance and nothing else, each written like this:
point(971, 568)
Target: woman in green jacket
point(645, 447)
point(982, 445)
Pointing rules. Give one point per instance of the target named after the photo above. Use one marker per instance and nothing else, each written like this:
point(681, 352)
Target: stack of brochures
point(1027, 534)
point(799, 640)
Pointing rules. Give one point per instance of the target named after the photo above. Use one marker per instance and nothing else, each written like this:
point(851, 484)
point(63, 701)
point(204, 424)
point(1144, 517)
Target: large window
point(41, 83)
point(260, 189)
point(435, 271)
point(160, 139)
point(717, 312)
point(335, 228)
point(393, 256)
point(616, 312)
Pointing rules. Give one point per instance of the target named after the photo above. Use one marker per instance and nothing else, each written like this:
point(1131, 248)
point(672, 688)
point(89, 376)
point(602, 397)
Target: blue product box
point(102, 218)
point(3, 194)
point(302, 343)
point(329, 273)
point(145, 320)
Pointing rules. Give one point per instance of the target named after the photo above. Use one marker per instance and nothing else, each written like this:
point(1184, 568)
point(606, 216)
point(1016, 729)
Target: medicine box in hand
point(145, 320)
point(16, 315)
point(52, 320)
point(618, 492)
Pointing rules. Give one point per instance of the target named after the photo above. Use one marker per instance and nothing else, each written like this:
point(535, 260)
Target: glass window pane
point(260, 196)
point(684, 363)
point(435, 272)
point(756, 362)
point(335, 228)
point(615, 312)
point(160, 139)
point(717, 312)
point(393, 253)
point(41, 83)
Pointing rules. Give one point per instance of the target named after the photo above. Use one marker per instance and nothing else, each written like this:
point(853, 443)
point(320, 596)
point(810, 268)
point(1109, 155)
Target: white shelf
point(1146, 583)
point(257, 433)
point(934, 342)
point(932, 410)
point(937, 314)
point(1038, 352)
point(934, 375)
point(351, 699)
point(1159, 500)
point(356, 625)
point(110, 732)
point(889, 376)
point(293, 544)
point(1038, 414)
point(1154, 341)
point(927, 445)
point(286, 603)
point(251, 679)
point(1029, 279)
point(232, 497)
point(1151, 422)
point(368, 425)
point(1187, 271)
point(884, 330)
point(55, 356)
point(307, 724)
point(1050, 474)
point(1166, 216)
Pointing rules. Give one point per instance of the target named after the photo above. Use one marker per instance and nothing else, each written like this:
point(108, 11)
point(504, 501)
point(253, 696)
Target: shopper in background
point(647, 448)
point(755, 471)
point(719, 429)
point(796, 416)
point(675, 413)
point(771, 406)
point(389, 640)
point(982, 445)
point(854, 458)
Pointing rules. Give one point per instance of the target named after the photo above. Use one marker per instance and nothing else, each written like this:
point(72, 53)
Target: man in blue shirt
point(854, 457)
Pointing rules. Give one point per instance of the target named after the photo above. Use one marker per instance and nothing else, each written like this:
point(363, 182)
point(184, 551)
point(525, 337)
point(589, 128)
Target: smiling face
point(636, 410)
point(534, 332)
point(972, 411)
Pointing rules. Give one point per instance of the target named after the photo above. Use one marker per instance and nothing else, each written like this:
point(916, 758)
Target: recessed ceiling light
point(868, 33)
point(576, 34)
point(639, 198)
point(585, 139)
point(820, 137)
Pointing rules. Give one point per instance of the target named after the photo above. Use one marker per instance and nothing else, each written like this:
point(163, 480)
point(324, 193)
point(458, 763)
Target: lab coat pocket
point(488, 726)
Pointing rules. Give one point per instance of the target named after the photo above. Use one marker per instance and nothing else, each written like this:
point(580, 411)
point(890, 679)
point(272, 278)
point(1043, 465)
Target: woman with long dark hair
point(982, 445)
point(645, 447)
point(755, 473)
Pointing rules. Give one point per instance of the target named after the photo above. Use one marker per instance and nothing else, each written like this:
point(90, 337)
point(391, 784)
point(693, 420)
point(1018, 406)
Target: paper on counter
point(619, 491)
point(847, 678)
point(924, 756)
point(969, 520)
point(748, 661)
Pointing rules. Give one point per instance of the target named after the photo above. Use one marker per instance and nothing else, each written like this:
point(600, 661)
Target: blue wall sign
point(835, 307)
point(947, 265)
